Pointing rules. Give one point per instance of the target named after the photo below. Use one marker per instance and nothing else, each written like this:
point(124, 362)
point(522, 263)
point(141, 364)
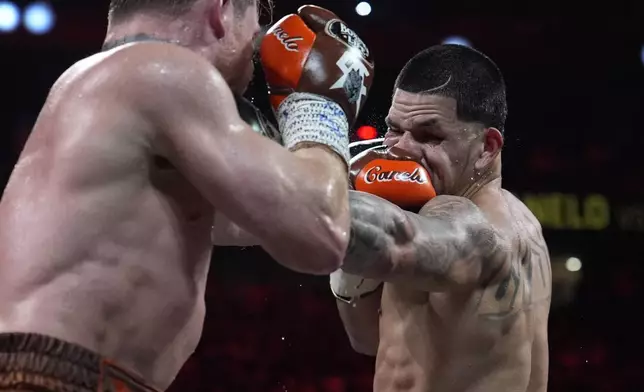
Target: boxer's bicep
point(281, 198)
point(447, 244)
point(454, 244)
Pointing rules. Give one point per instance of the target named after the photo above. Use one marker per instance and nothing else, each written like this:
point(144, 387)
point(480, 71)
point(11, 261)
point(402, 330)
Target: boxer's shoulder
point(163, 86)
point(144, 73)
point(507, 212)
point(155, 67)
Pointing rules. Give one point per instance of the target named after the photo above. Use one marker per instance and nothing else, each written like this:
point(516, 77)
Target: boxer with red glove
point(393, 175)
point(467, 279)
point(318, 73)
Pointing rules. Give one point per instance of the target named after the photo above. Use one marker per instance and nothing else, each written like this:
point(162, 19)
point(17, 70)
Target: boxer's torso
point(102, 242)
point(490, 339)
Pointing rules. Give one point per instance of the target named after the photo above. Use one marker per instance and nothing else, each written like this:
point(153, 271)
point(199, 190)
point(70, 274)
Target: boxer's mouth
point(424, 164)
point(433, 177)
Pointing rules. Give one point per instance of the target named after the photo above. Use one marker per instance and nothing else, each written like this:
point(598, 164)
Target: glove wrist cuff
point(351, 300)
point(349, 288)
point(310, 118)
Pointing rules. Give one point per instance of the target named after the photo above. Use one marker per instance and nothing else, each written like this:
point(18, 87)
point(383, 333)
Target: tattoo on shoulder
point(479, 242)
point(520, 288)
point(445, 207)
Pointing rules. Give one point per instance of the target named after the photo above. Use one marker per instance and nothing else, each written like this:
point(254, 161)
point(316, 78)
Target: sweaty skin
point(467, 288)
point(484, 326)
point(105, 225)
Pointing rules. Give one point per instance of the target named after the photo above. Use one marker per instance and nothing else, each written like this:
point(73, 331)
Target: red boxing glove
point(315, 52)
point(393, 175)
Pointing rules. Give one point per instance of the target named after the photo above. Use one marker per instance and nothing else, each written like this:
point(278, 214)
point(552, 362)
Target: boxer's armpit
point(449, 243)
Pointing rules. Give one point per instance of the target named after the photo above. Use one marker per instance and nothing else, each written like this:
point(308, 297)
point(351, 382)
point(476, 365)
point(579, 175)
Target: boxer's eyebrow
point(390, 123)
point(428, 123)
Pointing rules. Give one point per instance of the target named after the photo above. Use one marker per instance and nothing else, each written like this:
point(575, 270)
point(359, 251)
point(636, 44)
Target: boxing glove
point(349, 288)
point(257, 121)
point(315, 52)
point(318, 73)
point(392, 174)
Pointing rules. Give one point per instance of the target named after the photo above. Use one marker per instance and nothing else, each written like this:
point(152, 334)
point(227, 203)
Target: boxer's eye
point(429, 138)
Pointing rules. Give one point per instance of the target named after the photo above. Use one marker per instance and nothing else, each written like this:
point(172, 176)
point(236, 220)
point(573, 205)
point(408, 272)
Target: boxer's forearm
point(448, 243)
point(361, 321)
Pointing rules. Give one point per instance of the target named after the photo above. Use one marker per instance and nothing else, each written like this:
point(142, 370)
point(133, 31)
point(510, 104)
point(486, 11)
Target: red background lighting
point(367, 132)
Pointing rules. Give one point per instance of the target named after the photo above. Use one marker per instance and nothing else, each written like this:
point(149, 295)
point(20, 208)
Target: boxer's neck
point(189, 31)
point(108, 45)
point(488, 178)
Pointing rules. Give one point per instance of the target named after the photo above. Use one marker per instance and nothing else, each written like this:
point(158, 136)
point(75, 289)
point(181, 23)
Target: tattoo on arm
point(518, 287)
point(448, 242)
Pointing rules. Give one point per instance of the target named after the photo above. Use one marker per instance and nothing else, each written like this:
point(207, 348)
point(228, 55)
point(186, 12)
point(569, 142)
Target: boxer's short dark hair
point(462, 73)
point(120, 9)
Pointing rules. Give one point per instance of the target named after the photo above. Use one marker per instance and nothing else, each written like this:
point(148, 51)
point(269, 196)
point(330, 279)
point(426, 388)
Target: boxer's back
point(101, 242)
point(490, 339)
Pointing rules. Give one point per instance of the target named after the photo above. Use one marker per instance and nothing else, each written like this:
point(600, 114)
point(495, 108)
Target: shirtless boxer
point(467, 280)
point(105, 223)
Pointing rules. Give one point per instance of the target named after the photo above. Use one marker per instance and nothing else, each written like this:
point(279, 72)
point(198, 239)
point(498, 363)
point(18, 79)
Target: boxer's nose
point(410, 145)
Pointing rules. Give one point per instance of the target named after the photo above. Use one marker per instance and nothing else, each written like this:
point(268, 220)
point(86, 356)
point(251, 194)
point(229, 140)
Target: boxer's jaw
point(477, 177)
point(484, 160)
point(235, 46)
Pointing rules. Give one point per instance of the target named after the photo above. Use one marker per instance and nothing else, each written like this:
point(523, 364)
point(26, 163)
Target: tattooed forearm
point(444, 243)
point(376, 228)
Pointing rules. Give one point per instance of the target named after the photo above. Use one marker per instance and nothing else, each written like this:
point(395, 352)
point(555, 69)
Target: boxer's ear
point(217, 18)
point(492, 145)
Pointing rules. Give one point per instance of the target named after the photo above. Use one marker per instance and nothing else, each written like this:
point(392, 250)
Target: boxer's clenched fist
point(315, 52)
point(393, 175)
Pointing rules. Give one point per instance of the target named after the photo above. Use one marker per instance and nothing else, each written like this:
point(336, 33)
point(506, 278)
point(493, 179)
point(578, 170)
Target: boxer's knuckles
point(315, 52)
point(404, 183)
point(324, 21)
point(284, 51)
point(392, 177)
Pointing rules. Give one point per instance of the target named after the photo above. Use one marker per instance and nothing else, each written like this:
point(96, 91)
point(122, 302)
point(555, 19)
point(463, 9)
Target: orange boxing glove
point(315, 52)
point(318, 74)
point(392, 174)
